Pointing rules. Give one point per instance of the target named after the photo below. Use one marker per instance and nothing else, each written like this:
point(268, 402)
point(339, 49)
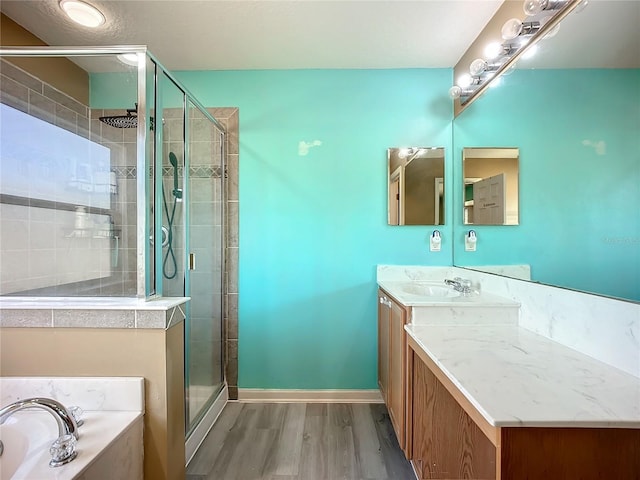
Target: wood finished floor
point(298, 441)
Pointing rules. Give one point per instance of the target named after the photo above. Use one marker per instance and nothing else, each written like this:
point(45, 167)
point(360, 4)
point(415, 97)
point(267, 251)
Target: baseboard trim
point(309, 396)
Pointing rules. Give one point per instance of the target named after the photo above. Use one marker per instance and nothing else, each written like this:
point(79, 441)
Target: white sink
point(429, 290)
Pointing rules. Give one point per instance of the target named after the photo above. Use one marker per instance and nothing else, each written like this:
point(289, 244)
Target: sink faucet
point(66, 422)
point(461, 285)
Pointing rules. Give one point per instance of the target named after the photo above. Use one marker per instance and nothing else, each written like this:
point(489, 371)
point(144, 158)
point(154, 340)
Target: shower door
point(192, 232)
point(171, 198)
point(204, 359)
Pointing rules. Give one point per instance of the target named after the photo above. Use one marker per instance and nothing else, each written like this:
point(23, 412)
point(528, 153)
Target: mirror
point(490, 186)
point(416, 185)
point(573, 110)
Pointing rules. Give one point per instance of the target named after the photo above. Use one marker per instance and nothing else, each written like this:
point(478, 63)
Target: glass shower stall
point(112, 178)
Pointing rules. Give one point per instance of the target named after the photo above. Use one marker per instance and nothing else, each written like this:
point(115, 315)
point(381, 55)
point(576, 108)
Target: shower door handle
point(192, 261)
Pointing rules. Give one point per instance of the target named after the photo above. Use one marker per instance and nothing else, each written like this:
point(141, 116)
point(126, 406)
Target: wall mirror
point(490, 185)
point(416, 185)
point(573, 110)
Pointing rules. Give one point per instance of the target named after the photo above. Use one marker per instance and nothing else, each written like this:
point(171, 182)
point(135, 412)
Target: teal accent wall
point(313, 227)
point(579, 137)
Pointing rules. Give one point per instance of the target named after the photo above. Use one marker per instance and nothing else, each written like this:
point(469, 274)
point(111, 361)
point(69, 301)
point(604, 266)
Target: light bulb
point(455, 92)
point(82, 13)
point(533, 7)
point(479, 67)
point(403, 153)
point(511, 29)
point(514, 28)
point(465, 80)
point(493, 50)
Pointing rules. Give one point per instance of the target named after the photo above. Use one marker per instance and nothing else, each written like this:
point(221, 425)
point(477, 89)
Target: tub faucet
point(66, 422)
point(461, 285)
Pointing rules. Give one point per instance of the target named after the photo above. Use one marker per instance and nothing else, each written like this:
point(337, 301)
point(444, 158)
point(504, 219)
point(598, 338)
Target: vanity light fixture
point(404, 152)
point(459, 92)
point(83, 13)
point(496, 50)
point(534, 7)
point(465, 80)
point(514, 28)
point(520, 36)
point(480, 66)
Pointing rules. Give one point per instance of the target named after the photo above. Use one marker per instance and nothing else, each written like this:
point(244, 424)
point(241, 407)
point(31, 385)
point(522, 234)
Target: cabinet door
point(397, 388)
point(446, 442)
point(383, 346)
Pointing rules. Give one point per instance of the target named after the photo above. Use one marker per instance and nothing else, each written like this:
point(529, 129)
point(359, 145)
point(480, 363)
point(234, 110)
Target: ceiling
point(307, 34)
point(272, 34)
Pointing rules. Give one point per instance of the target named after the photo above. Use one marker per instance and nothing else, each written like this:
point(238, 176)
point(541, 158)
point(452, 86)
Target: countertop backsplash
point(603, 328)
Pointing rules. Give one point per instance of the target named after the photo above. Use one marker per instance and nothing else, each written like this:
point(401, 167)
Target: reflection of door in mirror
point(491, 186)
point(416, 186)
point(488, 198)
point(394, 200)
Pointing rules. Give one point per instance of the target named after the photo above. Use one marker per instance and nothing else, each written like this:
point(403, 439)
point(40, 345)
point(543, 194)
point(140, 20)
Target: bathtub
point(110, 440)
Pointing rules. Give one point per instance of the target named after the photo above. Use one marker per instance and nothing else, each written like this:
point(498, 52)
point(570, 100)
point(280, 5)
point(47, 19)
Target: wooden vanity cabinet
point(392, 353)
point(445, 442)
point(447, 438)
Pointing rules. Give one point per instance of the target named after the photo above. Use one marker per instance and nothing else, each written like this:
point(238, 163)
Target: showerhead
point(177, 192)
point(173, 160)
point(130, 120)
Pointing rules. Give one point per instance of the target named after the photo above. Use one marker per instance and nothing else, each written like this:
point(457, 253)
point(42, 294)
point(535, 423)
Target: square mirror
point(490, 186)
point(416, 185)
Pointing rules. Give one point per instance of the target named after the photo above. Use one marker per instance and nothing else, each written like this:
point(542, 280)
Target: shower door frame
point(202, 422)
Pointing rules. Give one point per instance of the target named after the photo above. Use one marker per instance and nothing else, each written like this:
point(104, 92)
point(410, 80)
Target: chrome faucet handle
point(63, 450)
point(76, 412)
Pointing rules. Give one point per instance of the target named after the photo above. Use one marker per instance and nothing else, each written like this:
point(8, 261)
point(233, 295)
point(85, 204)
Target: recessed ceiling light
point(82, 13)
point(129, 59)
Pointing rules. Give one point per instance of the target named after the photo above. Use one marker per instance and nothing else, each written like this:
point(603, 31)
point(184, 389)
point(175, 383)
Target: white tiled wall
point(39, 248)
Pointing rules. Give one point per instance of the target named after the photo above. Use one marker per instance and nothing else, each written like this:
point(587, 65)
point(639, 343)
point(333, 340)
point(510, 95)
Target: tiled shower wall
point(41, 252)
point(229, 118)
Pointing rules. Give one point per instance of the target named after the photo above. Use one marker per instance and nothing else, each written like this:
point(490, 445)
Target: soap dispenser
point(435, 241)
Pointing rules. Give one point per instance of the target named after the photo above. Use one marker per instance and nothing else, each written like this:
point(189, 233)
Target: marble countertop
point(516, 378)
point(397, 289)
point(90, 303)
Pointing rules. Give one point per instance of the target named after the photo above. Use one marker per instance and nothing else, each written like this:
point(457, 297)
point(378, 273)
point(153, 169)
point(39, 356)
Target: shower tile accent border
point(195, 171)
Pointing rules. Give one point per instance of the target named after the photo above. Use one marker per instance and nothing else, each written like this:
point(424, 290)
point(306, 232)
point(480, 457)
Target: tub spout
point(66, 423)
